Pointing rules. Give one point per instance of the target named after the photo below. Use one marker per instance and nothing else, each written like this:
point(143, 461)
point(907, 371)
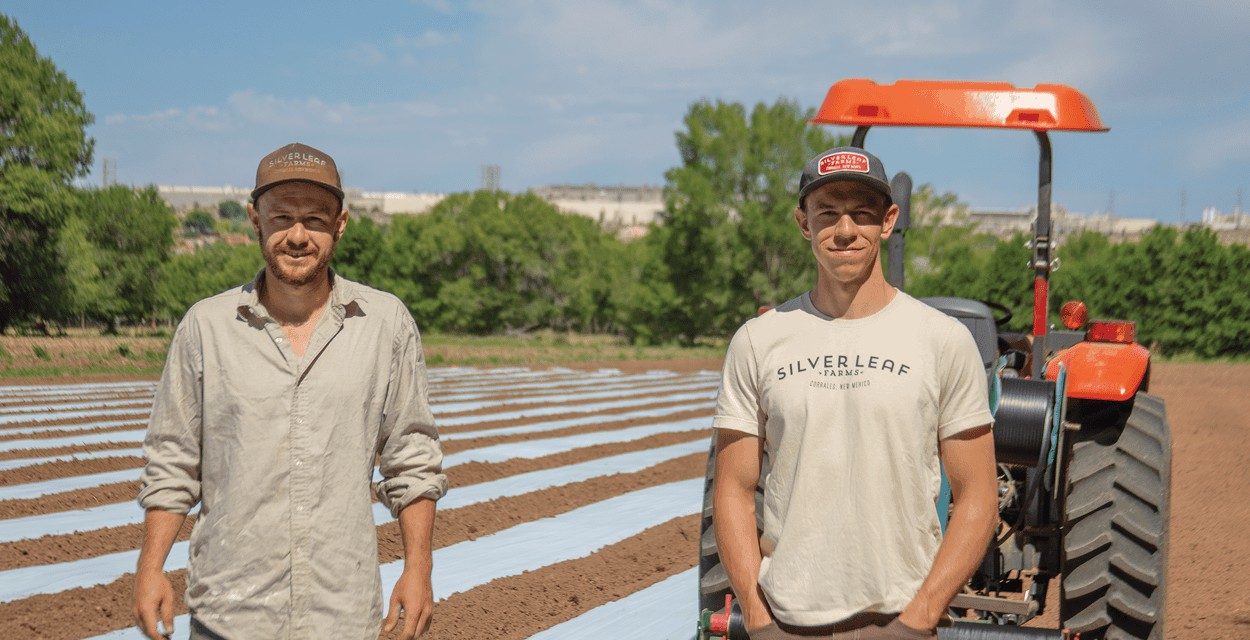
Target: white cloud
point(243, 109)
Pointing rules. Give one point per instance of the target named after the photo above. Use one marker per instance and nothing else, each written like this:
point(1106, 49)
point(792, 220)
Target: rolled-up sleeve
point(410, 456)
point(171, 477)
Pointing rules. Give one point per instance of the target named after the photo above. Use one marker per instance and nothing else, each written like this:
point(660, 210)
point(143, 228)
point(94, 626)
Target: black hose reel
point(1022, 424)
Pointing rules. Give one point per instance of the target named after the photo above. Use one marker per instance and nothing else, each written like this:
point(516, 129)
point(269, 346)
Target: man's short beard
point(271, 260)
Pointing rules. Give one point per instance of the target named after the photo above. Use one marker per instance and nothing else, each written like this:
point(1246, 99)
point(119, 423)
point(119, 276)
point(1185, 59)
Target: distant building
point(182, 198)
point(1213, 219)
point(622, 209)
point(1004, 223)
point(625, 210)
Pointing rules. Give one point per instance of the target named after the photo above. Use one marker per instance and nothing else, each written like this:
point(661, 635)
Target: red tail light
point(1073, 314)
point(1111, 331)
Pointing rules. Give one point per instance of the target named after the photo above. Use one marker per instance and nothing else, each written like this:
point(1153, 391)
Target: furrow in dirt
point(519, 606)
point(96, 496)
point(67, 468)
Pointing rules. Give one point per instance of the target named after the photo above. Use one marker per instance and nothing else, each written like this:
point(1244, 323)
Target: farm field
point(572, 513)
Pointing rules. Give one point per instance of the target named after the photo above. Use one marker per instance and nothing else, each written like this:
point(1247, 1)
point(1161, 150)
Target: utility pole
point(1237, 214)
point(490, 177)
point(108, 172)
point(1181, 214)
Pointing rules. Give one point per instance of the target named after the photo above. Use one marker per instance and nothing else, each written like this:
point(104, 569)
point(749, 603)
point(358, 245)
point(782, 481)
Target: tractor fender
point(1102, 370)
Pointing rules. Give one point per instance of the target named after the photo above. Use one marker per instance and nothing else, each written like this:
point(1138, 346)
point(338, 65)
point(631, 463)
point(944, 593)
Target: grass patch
point(145, 356)
point(1190, 358)
point(64, 371)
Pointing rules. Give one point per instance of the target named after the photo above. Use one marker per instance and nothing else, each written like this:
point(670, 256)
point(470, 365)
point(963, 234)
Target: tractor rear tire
point(713, 580)
point(1116, 507)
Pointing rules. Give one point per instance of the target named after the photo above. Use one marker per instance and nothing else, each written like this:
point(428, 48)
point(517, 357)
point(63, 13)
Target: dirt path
point(1209, 566)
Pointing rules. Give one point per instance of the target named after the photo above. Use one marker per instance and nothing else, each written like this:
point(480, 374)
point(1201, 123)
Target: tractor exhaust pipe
point(900, 189)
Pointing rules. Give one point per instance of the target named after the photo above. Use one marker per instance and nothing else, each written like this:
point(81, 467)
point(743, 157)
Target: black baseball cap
point(844, 163)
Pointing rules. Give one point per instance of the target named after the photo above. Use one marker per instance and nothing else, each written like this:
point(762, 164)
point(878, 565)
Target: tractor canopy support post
point(857, 138)
point(1042, 245)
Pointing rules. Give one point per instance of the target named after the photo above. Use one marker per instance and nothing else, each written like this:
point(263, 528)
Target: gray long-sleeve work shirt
point(279, 452)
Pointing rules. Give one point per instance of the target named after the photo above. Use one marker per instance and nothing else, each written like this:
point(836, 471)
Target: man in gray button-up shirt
point(275, 401)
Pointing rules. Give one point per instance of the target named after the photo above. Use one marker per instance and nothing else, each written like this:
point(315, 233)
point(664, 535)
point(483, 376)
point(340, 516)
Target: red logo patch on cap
point(843, 161)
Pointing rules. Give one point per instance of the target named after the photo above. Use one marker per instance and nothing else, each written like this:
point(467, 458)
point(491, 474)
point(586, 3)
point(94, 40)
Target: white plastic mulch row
point(482, 376)
point(460, 407)
point(28, 389)
point(137, 435)
point(71, 408)
point(651, 396)
point(459, 567)
point(599, 380)
point(453, 421)
point(496, 453)
point(72, 483)
point(583, 390)
point(9, 404)
point(666, 610)
point(44, 409)
point(6, 465)
point(581, 421)
point(49, 416)
point(548, 446)
point(527, 547)
point(70, 428)
point(125, 513)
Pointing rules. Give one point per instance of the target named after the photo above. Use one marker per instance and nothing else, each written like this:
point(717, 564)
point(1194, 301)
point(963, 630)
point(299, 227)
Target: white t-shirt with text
point(851, 412)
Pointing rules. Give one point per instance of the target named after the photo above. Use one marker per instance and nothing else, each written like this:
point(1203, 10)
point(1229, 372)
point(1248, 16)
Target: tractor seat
point(977, 317)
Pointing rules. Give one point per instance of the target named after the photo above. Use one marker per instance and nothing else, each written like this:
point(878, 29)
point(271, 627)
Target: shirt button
point(277, 339)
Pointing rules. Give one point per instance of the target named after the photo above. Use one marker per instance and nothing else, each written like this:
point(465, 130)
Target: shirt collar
point(345, 298)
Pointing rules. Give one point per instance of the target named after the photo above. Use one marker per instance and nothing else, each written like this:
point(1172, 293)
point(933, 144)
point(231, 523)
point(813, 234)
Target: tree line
point(490, 262)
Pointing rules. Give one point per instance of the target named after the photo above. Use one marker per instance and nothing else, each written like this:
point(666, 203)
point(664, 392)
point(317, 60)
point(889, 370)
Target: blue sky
point(419, 95)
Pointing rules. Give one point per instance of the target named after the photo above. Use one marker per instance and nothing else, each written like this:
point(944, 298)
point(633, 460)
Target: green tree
point(486, 262)
point(359, 250)
point(728, 239)
point(190, 277)
point(43, 147)
point(116, 240)
point(198, 222)
point(232, 210)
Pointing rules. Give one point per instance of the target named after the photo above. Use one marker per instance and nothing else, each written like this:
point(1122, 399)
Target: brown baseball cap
point(297, 162)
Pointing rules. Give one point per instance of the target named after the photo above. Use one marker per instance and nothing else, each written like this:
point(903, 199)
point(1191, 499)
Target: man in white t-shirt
point(844, 401)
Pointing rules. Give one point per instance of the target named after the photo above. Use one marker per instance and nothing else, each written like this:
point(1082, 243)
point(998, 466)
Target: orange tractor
point(1084, 450)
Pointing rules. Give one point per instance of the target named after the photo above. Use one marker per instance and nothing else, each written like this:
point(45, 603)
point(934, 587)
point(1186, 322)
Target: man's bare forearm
point(733, 503)
point(416, 526)
point(967, 537)
point(969, 461)
point(160, 529)
point(736, 539)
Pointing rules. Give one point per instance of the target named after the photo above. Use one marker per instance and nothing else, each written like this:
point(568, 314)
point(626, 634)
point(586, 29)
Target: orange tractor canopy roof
point(939, 103)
